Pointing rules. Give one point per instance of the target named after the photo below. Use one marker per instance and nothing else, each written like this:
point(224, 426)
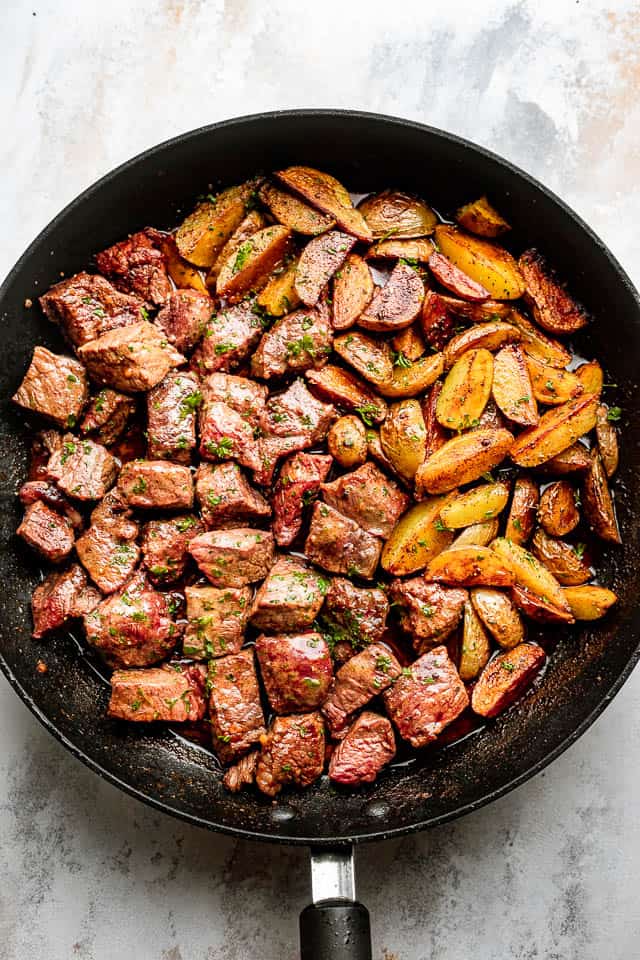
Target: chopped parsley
point(614, 414)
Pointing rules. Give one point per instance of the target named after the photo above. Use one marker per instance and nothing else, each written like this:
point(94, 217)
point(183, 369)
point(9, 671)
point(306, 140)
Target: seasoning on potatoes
point(279, 295)
point(550, 385)
point(491, 417)
point(436, 435)
point(591, 377)
point(327, 194)
point(589, 602)
point(414, 379)
point(488, 264)
point(607, 437)
point(342, 387)
point(476, 505)
point(476, 649)
point(462, 460)
point(466, 390)
point(491, 336)
point(184, 275)
point(537, 344)
point(294, 213)
point(553, 308)
point(417, 251)
point(536, 608)
point(557, 430)
point(598, 506)
point(318, 262)
point(353, 288)
point(249, 265)
point(482, 218)
point(522, 514)
point(417, 537)
point(469, 567)
point(564, 561)
point(454, 279)
point(499, 615)
point(512, 390)
point(529, 572)
point(505, 677)
point(558, 512)
point(437, 320)
point(347, 441)
point(252, 223)
point(397, 303)
point(409, 345)
point(371, 358)
point(575, 459)
point(478, 311)
point(203, 234)
point(478, 534)
point(403, 437)
point(392, 214)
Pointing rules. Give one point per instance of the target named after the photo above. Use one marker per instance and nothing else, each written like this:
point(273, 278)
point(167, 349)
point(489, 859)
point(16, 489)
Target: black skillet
point(588, 663)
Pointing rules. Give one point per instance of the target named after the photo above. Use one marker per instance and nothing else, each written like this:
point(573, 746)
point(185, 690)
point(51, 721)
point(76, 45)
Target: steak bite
point(237, 720)
point(34, 490)
point(165, 546)
point(171, 417)
point(61, 597)
point(292, 753)
point(230, 336)
point(245, 396)
point(225, 435)
point(367, 496)
point(360, 613)
point(82, 469)
point(107, 415)
point(339, 545)
point(293, 420)
point(54, 386)
point(233, 558)
point(158, 693)
point(184, 317)
point(136, 265)
point(426, 698)
point(296, 670)
point(357, 682)
point(290, 598)
point(132, 628)
point(217, 617)
point(241, 774)
point(300, 478)
point(156, 484)
point(131, 358)
point(368, 745)
point(86, 306)
point(46, 531)
point(296, 342)
point(107, 550)
point(428, 612)
point(226, 498)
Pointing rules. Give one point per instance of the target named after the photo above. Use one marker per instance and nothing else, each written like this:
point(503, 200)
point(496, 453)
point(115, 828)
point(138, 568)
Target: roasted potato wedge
point(470, 566)
point(466, 390)
point(591, 377)
point(318, 262)
point(203, 234)
point(249, 265)
point(375, 451)
point(343, 388)
point(550, 385)
point(558, 513)
point(505, 677)
point(455, 280)
point(529, 572)
point(557, 430)
point(536, 344)
point(347, 442)
point(499, 615)
point(575, 459)
point(522, 514)
point(607, 437)
point(403, 437)
point(476, 505)
point(462, 460)
point(491, 417)
point(481, 218)
point(415, 379)
point(488, 264)
point(253, 222)
point(553, 308)
point(409, 344)
point(184, 275)
point(476, 312)
point(436, 435)
point(478, 534)
point(437, 321)
point(353, 289)
point(327, 194)
point(417, 251)
point(598, 506)
point(589, 602)
point(536, 608)
point(476, 649)
point(512, 390)
point(294, 213)
point(279, 296)
point(416, 538)
point(398, 215)
point(488, 336)
point(561, 559)
point(371, 358)
point(397, 303)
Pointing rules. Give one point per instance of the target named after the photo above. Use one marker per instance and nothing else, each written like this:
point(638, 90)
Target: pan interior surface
point(589, 662)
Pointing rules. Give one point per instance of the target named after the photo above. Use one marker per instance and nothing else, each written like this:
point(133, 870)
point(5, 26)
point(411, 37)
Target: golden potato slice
point(347, 442)
point(203, 234)
point(553, 308)
point(184, 275)
point(536, 344)
point(470, 566)
point(512, 389)
point(505, 677)
point(353, 288)
point(591, 377)
point(248, 267)
point(489, 336)
point(589, 603)
point(375, 451)
point(293, 213)
point(491, 417)
point(462, 460)
point(372, 359)
point(279, 296)
point(476, 505)
point(538, 609)
point(408, 344)
point(466, 390)
point(415, 379)
point(557, 430)
point(598, 505)
point(436, 320)
point(478, 534)
point(456, 280)
point(253, 222)
point(529, 572)
point(417, 537)
point(522, 515)
point(327, 194)
point(550, 385)
point(499, 615)
point(397, 303)
point(476, 650)
point(565, 563)
point(346, 390)
point(476, 312)
point(575, 459)
point(398, 215)
point(486, 263)
point(436, 435)
point(416, 251)
point(403, 437)
point(558, 512)
point(318, 262)
point(481, 218)
point(607, 437)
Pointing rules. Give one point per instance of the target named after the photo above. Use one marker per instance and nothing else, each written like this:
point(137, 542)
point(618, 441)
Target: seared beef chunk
point(107, 415)
point(184, 318)
point(226, 498)
point(296, 342)
point(53, 386)
point(171, 417)
point(130, 359)
point(357, 615)
point(230, 336)
point(300, 478)
point(132, 628)
point(426, 697)
point(339, 545)
point(61, 597)
point(367, 496)
point(170, 692)
point(47, 531)
point(368, 745)
point(361, 679)
point(87, 305)
point(83, 469)
point(233, 558)
point(35, 490)
point(136, 265)
point(296, 670)
point(241, 774)
point(225, 435)
point(108, 550)
point(165, 545)
point(290, 598)
point(156, 484)
point(292, 753)
point(217, 617)
point(244, 396)
point(237, 721)
point(428, 612)
point(293, 420)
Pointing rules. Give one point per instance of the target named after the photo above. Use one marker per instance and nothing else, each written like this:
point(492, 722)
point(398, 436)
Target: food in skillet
point(318, 477)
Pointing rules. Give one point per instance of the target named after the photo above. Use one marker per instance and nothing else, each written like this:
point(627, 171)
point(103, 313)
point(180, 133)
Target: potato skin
point(575, 459)
point(557, 512)
point(372, 359)
point(203, 234)
point(419, 250)
point(318, 262)
point(454, 279)
point(462, 460)
point(409, 343)
point(561, 559)
point(486, 263)
point(590, 602)
point(397, 215)
point(469, 567)
point(353, 289)
point(416, 538)
point(491, 335)
point(537, 344)
point(342, 387)
point(598, 505)
point(249, 265)
point(347, 441)
point(327, 194)
point(294, 213)
point(607, 437)
point(591, 377)
point(512, 390)
point(550, 385)
point(557, 430)
point(522, 515)
point(553, 308)
point(538, 609)
point(476, 649)
point(478, 534)
point(475, 505)
point(505, 677)
point(499, 615)
point(413, 380)
point(436, 435)
point(482, 218)
point(403, 437)
point(466, 390)
point(397, 303)
point(530, 573)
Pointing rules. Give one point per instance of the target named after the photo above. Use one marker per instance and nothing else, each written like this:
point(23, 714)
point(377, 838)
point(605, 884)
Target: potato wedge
point(491, 417)
point(353, 288)
point(436, 320)
point(505, 678)
point(476, 649)
point(347, 442)
point(558, 513)
point(397, 304)
point(403, 437)
point(294, 213)
point(512, 389)
point(248, 267)
point(490, 336)
point(318, 262)
point(476, 312)
point(436, 435)
point(184, 275)
point(553, 308)
point(466, 390)
point(522, 514)
point(416, 538)
point(409, 344)
point(598, 506)
point(416, 251)
point(375, 451)
point(575, 459)
point(462, 460)
point(253, 222)
point(591, 377)
point(398, 215)
point(203, 234)
point(589, 602)
point(481, 218)
point(557, 430)
point(499, 616)
point(456, 280)
point(372, 359)
point(561, 559)
point(607, 437)
point(470, 566)
point(327, 194)
point(413, 380)
point(536, 344)
point(476, 505)
point(279, 296)
point(550, 385)
point(346, 390)
point(486, 263)
point(478, 534)
point(529, 572)
point(538, 609)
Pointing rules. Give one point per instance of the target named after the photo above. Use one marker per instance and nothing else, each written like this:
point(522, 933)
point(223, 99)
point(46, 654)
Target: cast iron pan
point(588, 664)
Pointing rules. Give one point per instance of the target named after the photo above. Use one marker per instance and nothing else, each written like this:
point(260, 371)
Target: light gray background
point(548, 872)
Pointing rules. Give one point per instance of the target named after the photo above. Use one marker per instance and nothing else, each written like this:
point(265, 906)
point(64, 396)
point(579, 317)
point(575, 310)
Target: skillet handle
point(335, 926)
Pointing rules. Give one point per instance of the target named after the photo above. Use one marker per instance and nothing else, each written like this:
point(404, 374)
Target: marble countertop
point(547, 873)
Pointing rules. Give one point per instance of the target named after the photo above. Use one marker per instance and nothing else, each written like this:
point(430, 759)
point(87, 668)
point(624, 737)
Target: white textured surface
point(548, 873)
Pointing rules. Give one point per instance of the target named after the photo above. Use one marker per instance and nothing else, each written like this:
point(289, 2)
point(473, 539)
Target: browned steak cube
point(136, 265)
point(296, 670)
point(426, 697)
point(368, 745)
point(241, 774)
point(229, 338)
point(233, 558)
point(83, 469)
point(217, 617)
point(165, 547)
point(245, 396)
point(225, 435)
point(226, 498)
point(107, 415)
point(156, 484)
point(290, 598)
point(171, 417)
point(131, 358)
point(296, 342)
point(300, 478)
point(358, 681)
point(367, 496)
point(132, 628)
point(61, 597)
point(34, 490)
point(237, 721)
point(292, 753)
point(170, 692)
point(184, 318)
point(293, 420)
point(339, 545)
point(108, 550)
point(47, 531)
point(87, 305)
point(429, 612)
point(53, 386)
point(359, 613)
